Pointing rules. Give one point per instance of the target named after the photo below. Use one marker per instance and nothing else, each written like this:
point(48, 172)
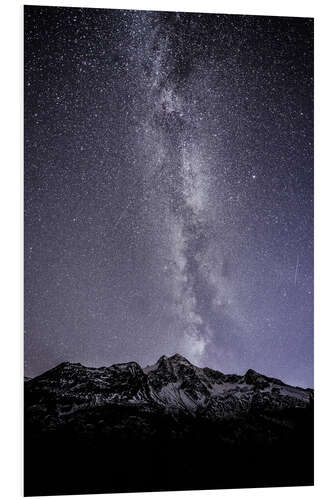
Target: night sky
point(169, 190)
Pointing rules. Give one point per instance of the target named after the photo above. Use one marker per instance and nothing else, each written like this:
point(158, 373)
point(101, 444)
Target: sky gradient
point(169, 190)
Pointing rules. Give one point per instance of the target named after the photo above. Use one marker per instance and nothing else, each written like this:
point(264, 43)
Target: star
point(169, 189)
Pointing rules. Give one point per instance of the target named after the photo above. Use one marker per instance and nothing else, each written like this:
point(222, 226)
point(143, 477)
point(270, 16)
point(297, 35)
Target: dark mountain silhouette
point(168, 426)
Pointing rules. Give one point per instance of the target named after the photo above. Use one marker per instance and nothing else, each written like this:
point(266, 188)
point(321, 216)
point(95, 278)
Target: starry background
point(169, 190)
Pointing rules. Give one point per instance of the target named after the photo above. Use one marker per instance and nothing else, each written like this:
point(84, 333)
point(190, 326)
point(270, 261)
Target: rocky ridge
point(169, 426)
point(173, 385)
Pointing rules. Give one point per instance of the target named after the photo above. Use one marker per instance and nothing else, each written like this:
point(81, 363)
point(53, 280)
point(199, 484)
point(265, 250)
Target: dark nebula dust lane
point(169, 190)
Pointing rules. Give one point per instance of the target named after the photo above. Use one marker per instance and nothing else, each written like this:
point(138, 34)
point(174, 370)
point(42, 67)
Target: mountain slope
point(173, 384)
point(121, 428)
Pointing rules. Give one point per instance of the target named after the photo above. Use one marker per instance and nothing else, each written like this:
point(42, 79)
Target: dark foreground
point(144, 452)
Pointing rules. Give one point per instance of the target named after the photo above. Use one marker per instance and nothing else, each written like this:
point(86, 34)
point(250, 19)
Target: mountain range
point(105, 428)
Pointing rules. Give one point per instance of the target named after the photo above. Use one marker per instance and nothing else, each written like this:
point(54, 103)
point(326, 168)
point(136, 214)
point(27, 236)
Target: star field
point(169, 190)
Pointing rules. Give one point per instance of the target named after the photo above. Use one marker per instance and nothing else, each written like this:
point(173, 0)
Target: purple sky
point(169, 190)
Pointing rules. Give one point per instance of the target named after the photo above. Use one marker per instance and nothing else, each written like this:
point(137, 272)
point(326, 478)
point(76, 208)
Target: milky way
point(169, 190)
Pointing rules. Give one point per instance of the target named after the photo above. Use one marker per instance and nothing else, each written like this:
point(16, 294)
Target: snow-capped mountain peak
point(172, 384)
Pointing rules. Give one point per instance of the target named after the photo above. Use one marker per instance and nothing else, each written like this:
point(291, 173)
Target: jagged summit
point(250, 372)
point(177, 358)
point(172, 384)
point(253, 377)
